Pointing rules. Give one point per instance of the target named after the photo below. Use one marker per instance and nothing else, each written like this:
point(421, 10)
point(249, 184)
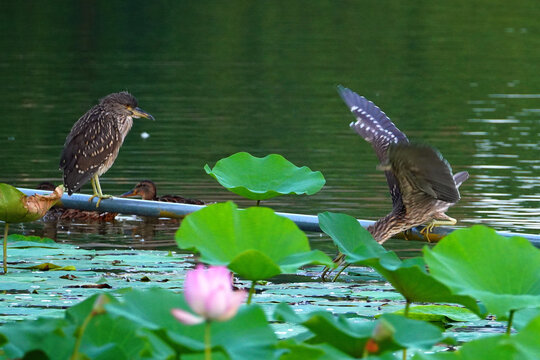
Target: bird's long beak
point(138, 113)
point(129, 193)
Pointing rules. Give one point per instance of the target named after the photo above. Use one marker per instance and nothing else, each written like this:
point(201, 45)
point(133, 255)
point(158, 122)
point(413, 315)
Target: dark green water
point(260, 76)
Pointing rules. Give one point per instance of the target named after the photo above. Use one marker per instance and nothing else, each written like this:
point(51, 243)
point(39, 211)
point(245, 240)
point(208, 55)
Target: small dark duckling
point(147, 190)
point(57, 213)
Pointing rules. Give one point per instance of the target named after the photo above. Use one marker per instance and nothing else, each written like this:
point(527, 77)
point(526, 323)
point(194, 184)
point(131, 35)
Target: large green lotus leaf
point(246, 336)
point(255, 243)
point(409, 278)
point(264, 178)
point(350, 337)
point(439, 313)
point(301, 351)
point(104, 337)
point(503, 273)
point(523, 317)
point(53, 337)
point(523, 346)
point(351, 238)
point(16, 207)
point(109, 337)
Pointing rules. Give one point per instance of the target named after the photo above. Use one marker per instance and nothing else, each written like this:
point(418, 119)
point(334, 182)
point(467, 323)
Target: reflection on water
point(261, 77)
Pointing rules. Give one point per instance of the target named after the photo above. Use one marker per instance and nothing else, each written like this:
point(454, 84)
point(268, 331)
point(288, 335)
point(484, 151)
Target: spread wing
point(87, 148)
point(377, 129)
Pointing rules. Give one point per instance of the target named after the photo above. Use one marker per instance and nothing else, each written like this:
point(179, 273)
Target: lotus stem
point(251, 292)
point(6, 228)
point(80, 332)
point(509, 324)
point(207, 341)
point(339, 273)
point(406, 314)
point(326, 271)
point(406, 311)
point(258, 202)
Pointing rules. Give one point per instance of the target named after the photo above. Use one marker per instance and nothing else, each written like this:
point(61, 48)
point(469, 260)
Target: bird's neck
point(124, 125)
point(388, 226)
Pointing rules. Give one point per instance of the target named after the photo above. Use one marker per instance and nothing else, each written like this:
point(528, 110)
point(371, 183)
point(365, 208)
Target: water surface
point(261, 77)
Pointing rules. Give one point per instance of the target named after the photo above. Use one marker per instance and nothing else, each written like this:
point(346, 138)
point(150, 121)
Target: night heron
point(147, 190)
point(94, 141)
point(420, 180)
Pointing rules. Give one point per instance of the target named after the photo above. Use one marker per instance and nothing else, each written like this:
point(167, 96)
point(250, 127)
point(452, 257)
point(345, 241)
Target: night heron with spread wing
point(94, 141)
point(420, 180)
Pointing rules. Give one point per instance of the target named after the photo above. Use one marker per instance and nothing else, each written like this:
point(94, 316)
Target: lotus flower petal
point(209, 293)
point(186, 318)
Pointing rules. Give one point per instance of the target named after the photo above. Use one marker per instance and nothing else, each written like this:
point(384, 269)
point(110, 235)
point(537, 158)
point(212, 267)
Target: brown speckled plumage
point(95, 140)
point(419, 179)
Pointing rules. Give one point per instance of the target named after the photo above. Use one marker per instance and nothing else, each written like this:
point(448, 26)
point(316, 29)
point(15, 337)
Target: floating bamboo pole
point(174, 210)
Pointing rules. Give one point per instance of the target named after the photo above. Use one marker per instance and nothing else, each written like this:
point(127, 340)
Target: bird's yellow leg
point(97, 190)
point(436, 222)
point(94, 189)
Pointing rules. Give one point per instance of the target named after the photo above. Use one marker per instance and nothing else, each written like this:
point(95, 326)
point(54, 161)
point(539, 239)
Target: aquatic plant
point(264, 178)
point(137, 324)
point(502, 273)
point(255, 243)
point(410, 277)
point(16, 207)
point(209, 293)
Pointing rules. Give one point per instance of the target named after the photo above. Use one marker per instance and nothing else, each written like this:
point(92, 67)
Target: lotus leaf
point(523, 345)
point(524, 316)
point(503, 273)
point(440, 313)
point(264, 178)
point(409, 277)
point(16, 207)
point(246, 336)
point(391, 332)
point(254, 243)
point(351, 238)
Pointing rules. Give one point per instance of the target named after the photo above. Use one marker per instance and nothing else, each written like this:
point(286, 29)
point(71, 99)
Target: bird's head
point(125, 104)
point(145, 189)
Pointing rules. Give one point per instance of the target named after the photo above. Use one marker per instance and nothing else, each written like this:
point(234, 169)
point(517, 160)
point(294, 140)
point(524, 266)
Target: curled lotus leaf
point(264, 178)
point(16, 207)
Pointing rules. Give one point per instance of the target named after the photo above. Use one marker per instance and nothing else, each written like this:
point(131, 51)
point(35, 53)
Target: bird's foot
point(447, 220)
point(427, 229)
point(100, 197)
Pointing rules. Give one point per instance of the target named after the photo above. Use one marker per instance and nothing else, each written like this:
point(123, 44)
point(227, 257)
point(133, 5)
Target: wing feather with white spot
point(372, 123)
point(376, 128)
point(87, 148)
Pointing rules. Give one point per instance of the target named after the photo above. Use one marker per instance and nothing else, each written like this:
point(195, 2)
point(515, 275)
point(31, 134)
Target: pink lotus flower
point(209, 293)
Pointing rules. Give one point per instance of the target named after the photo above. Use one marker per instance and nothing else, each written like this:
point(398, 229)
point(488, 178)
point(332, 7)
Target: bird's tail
point(460, 178)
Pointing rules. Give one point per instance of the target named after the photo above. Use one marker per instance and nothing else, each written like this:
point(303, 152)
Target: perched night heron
point(146, 189)
point(94, 141)
point(420, 180)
